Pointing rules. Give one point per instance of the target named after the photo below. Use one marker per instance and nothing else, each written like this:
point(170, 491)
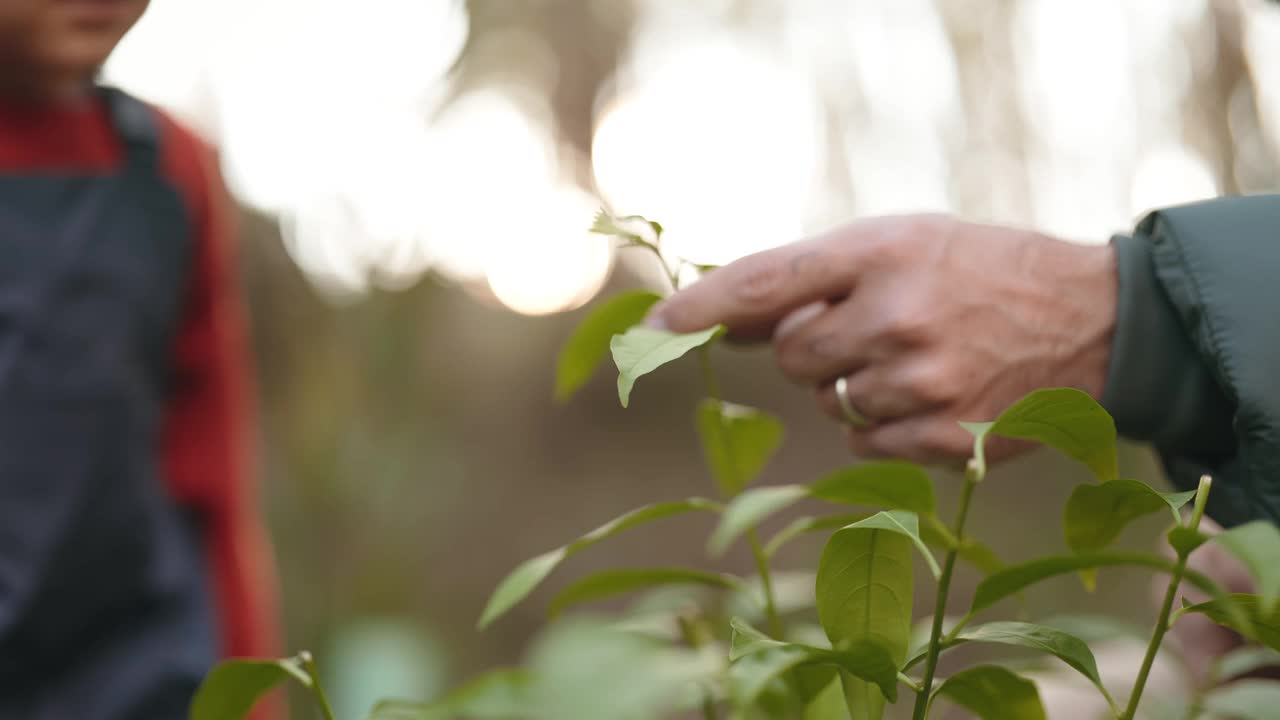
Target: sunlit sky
point(721, 130)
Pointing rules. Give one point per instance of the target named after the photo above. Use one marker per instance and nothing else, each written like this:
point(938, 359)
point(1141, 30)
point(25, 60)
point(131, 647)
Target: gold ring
point(851, 414)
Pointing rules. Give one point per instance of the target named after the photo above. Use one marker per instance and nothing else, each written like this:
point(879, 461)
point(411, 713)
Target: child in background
point(132, 555)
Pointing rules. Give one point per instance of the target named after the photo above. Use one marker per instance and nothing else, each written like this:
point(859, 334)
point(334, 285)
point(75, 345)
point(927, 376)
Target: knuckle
point(913, 239)
point(884, 251)
point(937, 383)
point(798, 354)
point(824, 347)
point(811, 264)
point(760, 279)
point(905, 323)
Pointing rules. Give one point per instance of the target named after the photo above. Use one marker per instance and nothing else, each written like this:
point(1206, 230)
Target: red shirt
point(209, 423)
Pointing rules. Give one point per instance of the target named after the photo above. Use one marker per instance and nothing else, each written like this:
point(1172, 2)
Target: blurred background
point(416, 178)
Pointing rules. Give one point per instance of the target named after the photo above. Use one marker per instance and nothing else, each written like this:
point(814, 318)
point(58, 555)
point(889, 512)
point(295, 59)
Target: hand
point(931, 320)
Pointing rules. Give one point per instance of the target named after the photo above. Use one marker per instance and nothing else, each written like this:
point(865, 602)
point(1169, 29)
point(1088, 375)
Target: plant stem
point(1157, 637)
point(317, 690)
point(673, 276)
point(958, 628)
point(972, 476)
point(753, 537)
point(1166, 607)
point(766, 582)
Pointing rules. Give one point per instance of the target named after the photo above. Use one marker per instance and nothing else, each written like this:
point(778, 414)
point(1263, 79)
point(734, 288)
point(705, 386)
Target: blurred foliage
point(401, 429)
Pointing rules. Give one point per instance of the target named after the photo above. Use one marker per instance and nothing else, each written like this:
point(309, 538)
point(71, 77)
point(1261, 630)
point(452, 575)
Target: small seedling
point(749, 648)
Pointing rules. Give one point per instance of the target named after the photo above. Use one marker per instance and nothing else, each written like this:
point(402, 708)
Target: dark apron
point(104, 609)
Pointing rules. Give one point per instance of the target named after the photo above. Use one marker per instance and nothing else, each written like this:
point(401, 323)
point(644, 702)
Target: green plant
point(853, 644)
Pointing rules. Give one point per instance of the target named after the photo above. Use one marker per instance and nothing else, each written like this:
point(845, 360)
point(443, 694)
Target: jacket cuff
point(1158, 389)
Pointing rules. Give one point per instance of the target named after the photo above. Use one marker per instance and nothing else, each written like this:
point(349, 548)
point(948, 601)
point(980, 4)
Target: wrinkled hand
point(931, 320)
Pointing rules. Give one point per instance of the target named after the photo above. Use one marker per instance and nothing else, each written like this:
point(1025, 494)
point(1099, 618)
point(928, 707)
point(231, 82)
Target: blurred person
point(904, 326)
point(131, 551)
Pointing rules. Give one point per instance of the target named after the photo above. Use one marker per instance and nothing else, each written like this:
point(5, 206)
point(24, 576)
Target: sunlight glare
point(549, 262)
point(717, 141)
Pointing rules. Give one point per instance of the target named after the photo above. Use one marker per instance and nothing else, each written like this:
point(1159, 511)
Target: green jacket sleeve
point(1198, 345)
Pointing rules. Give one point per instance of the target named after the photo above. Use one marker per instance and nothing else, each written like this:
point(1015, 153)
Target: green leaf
point(610, 583)
point(749, 509)
point(810, 681)
point(641, 350)
point(589, 343)
point(1067, 420)
point(1015, 578)
point(994, 693)
point(1244, 661)
point(1185, 540)
point(887, 485)
point(980, 556)
point(758, 660)
point(752, 674)
point(737, 442)
point(1245, 700)
point(496, 695)
point(1096, 628)
point(1069, 649)
point(1257, 545)
point(828, 704)
point(904, 523)
point(231, 689)
point(521, 581)
point(864, 589)
point(809, 524)
point(606, 224)
point(979, 431)
point(746, 640)
point(1257, 626)
point(1096, 514)
point(586, 668)
point(863, 699)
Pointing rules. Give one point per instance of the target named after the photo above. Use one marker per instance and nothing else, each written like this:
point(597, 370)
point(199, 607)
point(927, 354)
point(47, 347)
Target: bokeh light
point(739, 126)
point(718, 141)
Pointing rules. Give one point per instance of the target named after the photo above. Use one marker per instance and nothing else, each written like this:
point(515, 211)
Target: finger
point(870, 395)
point(825, 346)
point(756, 292)
point(765, 332)
point(921, 439)
point(798, 319)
